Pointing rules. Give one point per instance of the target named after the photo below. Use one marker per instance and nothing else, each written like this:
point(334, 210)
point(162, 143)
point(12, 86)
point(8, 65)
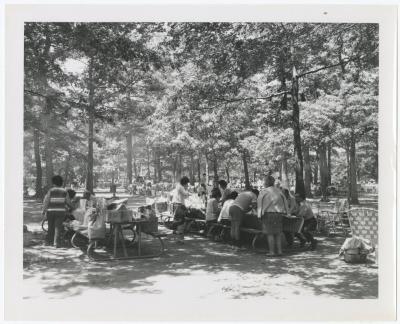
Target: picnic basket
point(151, 225)
point(119, 216)
point(355, 256)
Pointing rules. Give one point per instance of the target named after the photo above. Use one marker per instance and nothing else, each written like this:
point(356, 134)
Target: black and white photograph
point(201, 160)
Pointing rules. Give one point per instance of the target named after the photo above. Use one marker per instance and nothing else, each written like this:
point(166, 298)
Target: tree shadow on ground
point(319, 272)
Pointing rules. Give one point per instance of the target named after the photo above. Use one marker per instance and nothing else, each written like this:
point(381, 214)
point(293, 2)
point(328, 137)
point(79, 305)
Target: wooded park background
point(106, 102)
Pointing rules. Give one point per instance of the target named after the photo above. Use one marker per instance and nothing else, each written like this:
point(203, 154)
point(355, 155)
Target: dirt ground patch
point(198, 269)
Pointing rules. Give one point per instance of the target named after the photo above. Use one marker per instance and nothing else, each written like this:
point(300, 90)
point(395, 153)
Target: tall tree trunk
point(199, 168)
point(296, 135)
point(38, 163)
point(348, 172)
point(207, 170)
point(89, 173)
point(148, 161)
point(179, 166)
point(307, 172)
point(316, 171)
point(323, 170)
point(67, 169)
point(353, 172)
point(285, 175)
point(329, 164)
point(375, 167)
point(227, 174)
point(129, 156)
point(192, 167)
point(245, 170)
point(136, 167)
point(215, 168)
point(47, 119)
point(175, 168)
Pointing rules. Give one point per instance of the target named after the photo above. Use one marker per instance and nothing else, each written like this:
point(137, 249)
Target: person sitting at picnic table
point(271, 208)
point(179, 210)
point(244, 203)
point(212, 210)
point(310, 222)
point(55, 206)
point(225, 191)
point(293, 210)
point(224, 217)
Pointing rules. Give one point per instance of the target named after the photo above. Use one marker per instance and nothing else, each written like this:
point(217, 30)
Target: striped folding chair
point(364, 224)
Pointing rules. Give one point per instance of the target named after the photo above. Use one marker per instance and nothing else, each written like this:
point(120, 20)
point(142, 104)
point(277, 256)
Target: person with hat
point(271, 208)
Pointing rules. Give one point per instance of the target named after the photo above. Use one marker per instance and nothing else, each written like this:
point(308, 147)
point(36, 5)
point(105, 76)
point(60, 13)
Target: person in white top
point(179, 209)
point(224, 217)
point(271, 207)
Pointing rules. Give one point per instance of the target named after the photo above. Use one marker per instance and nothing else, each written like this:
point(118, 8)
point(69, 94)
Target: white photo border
point(155, 308)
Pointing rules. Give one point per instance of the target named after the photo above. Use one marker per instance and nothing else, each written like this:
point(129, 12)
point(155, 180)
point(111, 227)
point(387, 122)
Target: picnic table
point(136, 225)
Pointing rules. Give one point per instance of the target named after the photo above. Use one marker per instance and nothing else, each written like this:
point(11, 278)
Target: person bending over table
point(272, 206)
point(310, 222)
point(224, 217)
point(244, 203)
point(179, 210)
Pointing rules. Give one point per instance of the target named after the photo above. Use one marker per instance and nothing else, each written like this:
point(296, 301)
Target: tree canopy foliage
point(110, 101)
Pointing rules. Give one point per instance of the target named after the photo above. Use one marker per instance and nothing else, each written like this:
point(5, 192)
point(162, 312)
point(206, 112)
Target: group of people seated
point(271, 204)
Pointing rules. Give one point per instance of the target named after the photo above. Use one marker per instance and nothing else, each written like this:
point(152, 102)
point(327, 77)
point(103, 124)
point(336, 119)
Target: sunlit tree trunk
point(91, 108)
point(285, 175)
point(38, 163)
point(207, 169)
point(227, 174)
point(329, 164)
point(353, 172)
point(245, 170)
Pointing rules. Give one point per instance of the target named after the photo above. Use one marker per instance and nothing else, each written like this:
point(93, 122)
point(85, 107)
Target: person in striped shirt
point(55, 205)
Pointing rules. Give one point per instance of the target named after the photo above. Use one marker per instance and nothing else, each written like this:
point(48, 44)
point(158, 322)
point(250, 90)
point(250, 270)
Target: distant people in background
point(178, 207)
point(203, 179)
point(244, 203)
point(212, 210)
point(310, 222)
point(272, 206)
point(55, 206)
point(224, 217)
point(225, 191)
